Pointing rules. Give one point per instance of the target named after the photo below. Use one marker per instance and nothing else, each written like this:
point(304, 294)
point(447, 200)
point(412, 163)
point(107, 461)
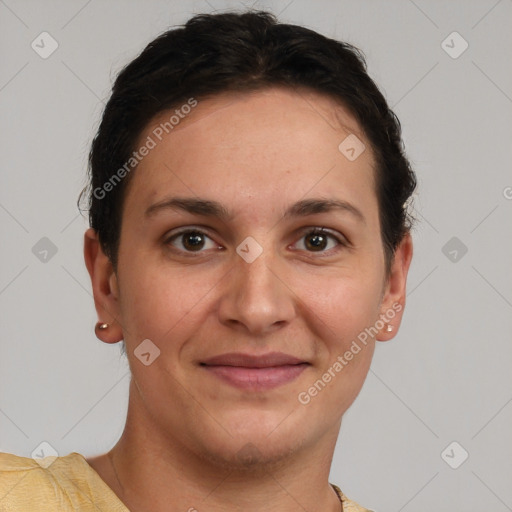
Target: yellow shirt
point(68, 484)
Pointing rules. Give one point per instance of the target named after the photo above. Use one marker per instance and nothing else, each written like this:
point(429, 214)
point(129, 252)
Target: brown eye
point(316, 241)
point(191, 240)
point(319, 240)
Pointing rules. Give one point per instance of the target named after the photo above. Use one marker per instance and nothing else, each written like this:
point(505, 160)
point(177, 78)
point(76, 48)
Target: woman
point(249, 243)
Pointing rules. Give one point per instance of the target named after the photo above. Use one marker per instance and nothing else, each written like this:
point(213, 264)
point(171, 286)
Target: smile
point(255, 372)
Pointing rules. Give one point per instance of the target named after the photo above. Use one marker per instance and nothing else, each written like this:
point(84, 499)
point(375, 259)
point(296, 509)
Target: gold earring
point(101, 326)
point(389, 328)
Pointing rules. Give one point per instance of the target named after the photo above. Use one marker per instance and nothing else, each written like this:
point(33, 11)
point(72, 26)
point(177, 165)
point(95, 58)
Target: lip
point(255, 372)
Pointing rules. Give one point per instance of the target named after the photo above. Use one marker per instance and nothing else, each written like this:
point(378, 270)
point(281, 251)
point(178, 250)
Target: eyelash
point(341, 241)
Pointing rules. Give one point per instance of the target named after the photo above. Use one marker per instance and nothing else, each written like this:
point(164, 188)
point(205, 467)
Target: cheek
point(344, 312)
point(345, 303)
point(344, 348)
point(161, 302)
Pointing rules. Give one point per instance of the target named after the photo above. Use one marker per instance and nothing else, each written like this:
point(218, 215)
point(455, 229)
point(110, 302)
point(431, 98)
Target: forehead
point(263, 144)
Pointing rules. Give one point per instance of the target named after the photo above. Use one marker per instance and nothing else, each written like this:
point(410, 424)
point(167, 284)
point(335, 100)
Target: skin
point(186, 430)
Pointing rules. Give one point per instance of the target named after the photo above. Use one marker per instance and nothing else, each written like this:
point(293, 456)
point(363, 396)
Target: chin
point(247, 456)
point(254, 441)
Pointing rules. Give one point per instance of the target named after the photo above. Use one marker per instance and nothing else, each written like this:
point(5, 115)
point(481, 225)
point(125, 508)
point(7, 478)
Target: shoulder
point(23, 483)
point(54, 483)
point(348, 504)
point(16, 470)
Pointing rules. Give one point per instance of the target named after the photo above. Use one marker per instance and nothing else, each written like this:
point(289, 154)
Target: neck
point(147, 478)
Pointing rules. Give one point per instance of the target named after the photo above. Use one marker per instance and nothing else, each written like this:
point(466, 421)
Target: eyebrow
point(209, 208)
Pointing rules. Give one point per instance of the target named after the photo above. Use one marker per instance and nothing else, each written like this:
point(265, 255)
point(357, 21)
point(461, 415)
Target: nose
point(256, 298)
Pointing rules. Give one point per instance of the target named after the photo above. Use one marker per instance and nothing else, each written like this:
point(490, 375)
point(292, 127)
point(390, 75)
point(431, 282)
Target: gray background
point(445, 377)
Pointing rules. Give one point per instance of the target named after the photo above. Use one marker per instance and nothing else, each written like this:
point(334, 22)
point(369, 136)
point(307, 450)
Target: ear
point(104, 286)
point(393, 300)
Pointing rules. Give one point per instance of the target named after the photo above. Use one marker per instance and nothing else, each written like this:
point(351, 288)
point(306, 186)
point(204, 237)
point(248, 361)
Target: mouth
point(255, 372)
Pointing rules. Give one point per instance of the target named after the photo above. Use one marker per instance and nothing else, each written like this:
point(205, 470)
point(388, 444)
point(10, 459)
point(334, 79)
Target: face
point(251, 258)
